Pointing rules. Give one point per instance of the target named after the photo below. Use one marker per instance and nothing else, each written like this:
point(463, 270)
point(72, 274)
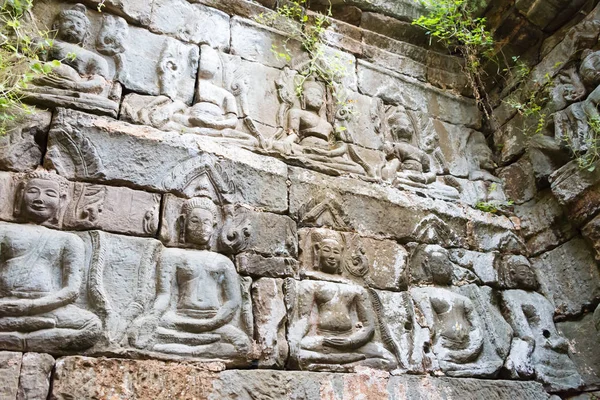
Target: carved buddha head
point(590, 69)
point(328, 253)
point(198, 221)
point(72, 24)
point(40, 197)
point(313, 95)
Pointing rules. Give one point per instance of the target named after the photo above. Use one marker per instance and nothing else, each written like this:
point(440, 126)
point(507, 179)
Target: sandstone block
point(569, 277)
point(583, 338)
point(34, 383)
point(270, 267)
point(10, 368)
point(119, 152)
point(270, 318)
point(22, 146)
point(408, 92)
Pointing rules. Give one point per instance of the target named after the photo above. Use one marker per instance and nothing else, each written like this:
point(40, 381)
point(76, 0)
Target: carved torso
point(85, 62)
point(31, 260)
point(335, 311)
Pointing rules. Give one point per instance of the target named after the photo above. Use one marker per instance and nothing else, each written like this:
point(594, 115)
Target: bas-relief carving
point(537, 349)
point(333, 327)
point(84, 82)
point(200, 309)
point(364, 261)
point(431, 264)
point(458, 333)
point(305, 136)
point(412, 165)
point(217, 111)
point(41, 275)
point(516, 272)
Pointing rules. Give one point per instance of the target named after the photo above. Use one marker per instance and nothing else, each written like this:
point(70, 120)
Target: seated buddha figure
point(311, 137)
point(406, 163)
point(334, 323)
point(197, 309)
point(83, 79)
point(458, 336)
point(41, 275)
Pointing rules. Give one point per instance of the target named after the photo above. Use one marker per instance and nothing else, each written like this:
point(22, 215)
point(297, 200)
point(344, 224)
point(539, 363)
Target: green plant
point(22, 48)
point(452, 22)
point(587, 160)
point(494, 206)
point(292, 17)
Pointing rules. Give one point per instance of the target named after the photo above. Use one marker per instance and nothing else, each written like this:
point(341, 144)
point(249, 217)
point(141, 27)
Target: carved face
point(330, 256)
point(72, 28)
point(209, 65)
point(400, 127)
point(523, 276)
point(313, 98)
point(199, 226)
point(41, 200)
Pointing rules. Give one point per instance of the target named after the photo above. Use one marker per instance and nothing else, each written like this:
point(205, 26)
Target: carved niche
point(41, 275)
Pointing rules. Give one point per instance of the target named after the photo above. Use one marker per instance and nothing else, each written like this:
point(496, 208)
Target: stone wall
point(178, 223)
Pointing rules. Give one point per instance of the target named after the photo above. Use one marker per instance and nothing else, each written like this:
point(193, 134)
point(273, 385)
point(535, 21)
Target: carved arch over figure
point(200, 176)
point(433, 230)
point(82, 154)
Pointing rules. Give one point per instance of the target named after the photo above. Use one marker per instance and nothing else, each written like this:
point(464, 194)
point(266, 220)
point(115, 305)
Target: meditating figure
point(83, 80)
point(198, 309)
point(334, 323)
point(41, 275)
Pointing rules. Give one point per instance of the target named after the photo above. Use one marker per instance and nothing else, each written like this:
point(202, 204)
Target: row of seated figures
point(198, 307)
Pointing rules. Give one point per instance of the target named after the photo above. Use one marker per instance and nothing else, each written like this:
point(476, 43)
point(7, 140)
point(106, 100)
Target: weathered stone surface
point(583, 337)
point(10, 368)
point(519, 181)
point(368, 208)
point(89, 378)
point(120, 152)
point(271, 267)
point(482, 264)
point(89, 206)
point(592, 232)
point(270, 318)
point(97, 378)
point(510, 140)
point(379, 263)
point(395, 62)
point(544, 223)
point(253, 42)
point(585, 206)
point(332, 325)
point(134, 10)
point(570, 181)
point(22, 147)
point(192, 23)
point(569, 277)
point(394, 28)
point(404, 332)
point(537, 347)
point(269, 234)
point(414, 95)
point(464, 339)
point(41, 286)
point(163, 65)
point(34, 383)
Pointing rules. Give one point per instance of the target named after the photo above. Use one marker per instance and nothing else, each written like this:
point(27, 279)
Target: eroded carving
point(333, 326)
point(82, 82)
point(407, 165)
point(326, 212)
point(41, 276)
point(516, 272)
point(457, 333)
point(537, 349)
point(199, 309)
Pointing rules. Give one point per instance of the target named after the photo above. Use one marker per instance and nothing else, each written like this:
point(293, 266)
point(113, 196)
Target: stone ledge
point(90, 378)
